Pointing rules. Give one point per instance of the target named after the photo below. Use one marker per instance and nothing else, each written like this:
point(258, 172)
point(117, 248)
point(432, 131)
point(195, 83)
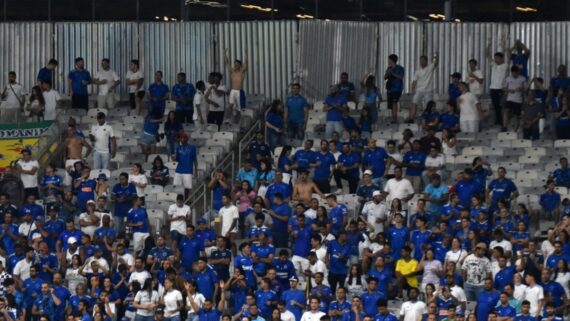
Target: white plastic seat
point(535, 151)
point(493, 151)
point(224, 135)
point(523, 183)
point(527, 174)
point(153, 189)
point(351, 105)
point(501, 143)
point(521, 143)
point(472, 151)
point(200, 135)
point(412, 127)
point(562, 143)
point(95, 111)
point(95, 173)
point(561, 190)
point(88, 120)
point(318, 106)
point(166, 197)
point(463, 160)
point(507, 135)
point(529, 159)
point(127, 142)
point(133, 119)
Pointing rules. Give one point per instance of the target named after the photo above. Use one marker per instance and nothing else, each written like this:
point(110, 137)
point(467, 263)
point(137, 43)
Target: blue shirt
point(345, 89)
point(33, 209)
point(369, 301)
point(159, 253)
point(49, 260)
point(205, 282)
point(398, 238)
point(419, 238)
point(255, 149)
point(149, 126)
point(384, 278)
point(387, 317)
point(222, 270)
point(46, 304)
point(449, 120)
point(559, 82)
point(466, 189)
point(302, 243)
point(53, 180)
point(323, 172)
point(8, 243)
point(486, 302)
point(279, 226)
point(376, 159)
point(277, 121)
point(416, 158)
point(394, 84)
point(86, 191)
point(138, 216)
point(65, 235)
point(348, 160)
point(339, 255)
point(158, 93)
point(77, 76)
point(249, 176)
point(303, 158)
point(129, 191)
point(282, 188)
point(325, 291)
point(296, 106)
point(63, 295)
point(454, 93)
point(550, 201)
point(335, 114)
point(31, 288)
point(501, 189)
point(562, 176)
point(284, 270)
point(261, 298)
point(190, 248)
point(339, 306)
point(521, 61)
point(212, 315)
point(298, 296)
point(246, 264)
point(172, 128)
point(337, 215)
point(525, 317)
point(506, 311)
point(186, 92)
point(555, 291)
point(185, 156)
point(262, 251)
point(45, 75)
point(504, 277)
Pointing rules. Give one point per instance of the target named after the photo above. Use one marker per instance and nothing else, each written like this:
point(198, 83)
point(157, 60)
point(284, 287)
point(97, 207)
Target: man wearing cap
point(367, 188)
point(89, 220)
point(104, 142)
point(476, 267)
point(187, 162)
point(294, 298)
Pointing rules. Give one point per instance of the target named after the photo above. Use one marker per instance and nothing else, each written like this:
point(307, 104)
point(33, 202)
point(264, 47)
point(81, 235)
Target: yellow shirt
point(408, 267)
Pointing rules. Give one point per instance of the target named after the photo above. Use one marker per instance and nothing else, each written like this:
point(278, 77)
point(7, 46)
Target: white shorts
point(469, 126)
point(106, 101)
point(69, 163)
point(235, 98)
point(184, 180)
point(421, 98)
point(138, 241)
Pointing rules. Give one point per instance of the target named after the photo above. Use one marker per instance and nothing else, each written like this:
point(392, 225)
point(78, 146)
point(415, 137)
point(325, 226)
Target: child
point(450, 119)
point(430, 116)
point(365, 122)
point(102, 188)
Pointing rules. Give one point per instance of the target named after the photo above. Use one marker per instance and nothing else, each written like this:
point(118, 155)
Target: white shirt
point(228, 215)
point(28, 180)
point(321, 253)
point(564, 280)
point(398, 158)
point(438, 161)
point(89, 230)
point(138, 179)
point(312, 316)
point(547, 248)
point(22, 269)
point(412, 311)
point(14, 93)
point(200, 101)
point(198, 299)
point(110, 76)
point(476, 269)
point(375, 215)
point(144, 298)
point(319, 266)
point(519, 84)
point(101, 261)
point(424, 78)
point(175, 211)
point(474, 86)
point(220, 100)
point(139, 276)
point(51, 98)
point(127, 258)
point(506, 245)
point(171, 299)
point(533, 294)
point(135, 76)
point(519, 291)
point(311, 213)
point(459, 294)
point(455, 256)
point(287, 316)
point(467, 104)
point(498, 75)
point(398, 189)
point(102, 133)
point(25, 229)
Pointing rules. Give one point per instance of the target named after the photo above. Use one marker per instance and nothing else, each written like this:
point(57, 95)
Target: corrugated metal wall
point(405, 39)
point(117, 41)
point(328, 48)
point(26, 47)
point(457, 43)
point(172, 48)
point(271, 53)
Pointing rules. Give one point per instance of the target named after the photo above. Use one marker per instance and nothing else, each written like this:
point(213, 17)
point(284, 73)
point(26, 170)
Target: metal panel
point(406, 40)
point(176, 47)
point(328, 48)
point(117, 41)
point(26, 47)
point(270, 48)
point(548, 44)
point(457, 43)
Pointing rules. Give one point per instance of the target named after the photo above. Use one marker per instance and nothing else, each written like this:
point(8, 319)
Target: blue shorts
point(147, 139)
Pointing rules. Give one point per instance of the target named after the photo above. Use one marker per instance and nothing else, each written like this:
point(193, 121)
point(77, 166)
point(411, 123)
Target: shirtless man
point(237, 76)
point(303, 189)
point(73, 152)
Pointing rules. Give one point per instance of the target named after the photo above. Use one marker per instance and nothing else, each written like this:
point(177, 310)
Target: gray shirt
point(530, 112)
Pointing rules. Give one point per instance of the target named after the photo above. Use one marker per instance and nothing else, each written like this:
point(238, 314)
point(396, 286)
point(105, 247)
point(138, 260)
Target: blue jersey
point(284, 270)
point(129, 191)
point(416, 158)
point(555, 291)
point(150, 126)
point(262, 297)
point(339, 255)
point(190, 248)
point(376, 159)
point(256, 149)
point(63, 295)
point(8, 243)
point(521, 61)
point(205, 282)
point(449, 120)
point(78, 77)
point(323, 171)
point(53, 180)
point(504, 277)
point(158, 94)
point(86, 192)
point(486, 302)
point(525, 317)
point(550, 201)
point(46, 304)
point(136, 216)
point(393, 83)
point(186, 92)
point(302, 242)
point(160, 253)
point(384, 278)
point(222, 270)
point(337, 215)
point(436, 193)
point(369, 301)
point(45, 75)
point(282, 188)
point(246, 264)
point(419, 238)
point(294, 295)
point(282, 210)
point(325, 291)
point(454, 93)
point(562, 176)
point(277, 121)
point(466, 189)
point(344, 306)
point(262, 251)
point(49, 260)
point(65, 235)
point(32, 289)
point(335, 114)
point(398, 238)
point(303, 158)
point(186, 157)
point(386, 317)
point(480, 176)
point(34, 210)
point(353, 238)
point(296, 106)
point(349, 160)
point(501, 189)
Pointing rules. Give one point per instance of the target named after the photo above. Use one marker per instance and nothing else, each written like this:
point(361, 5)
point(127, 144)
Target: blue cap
point(102, 176)
point(202, 220)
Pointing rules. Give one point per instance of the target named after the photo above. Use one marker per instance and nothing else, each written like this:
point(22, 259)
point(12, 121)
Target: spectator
point(172, 131)
point(554, 107)
point(187, 163)
point(487, 300)
point(413, 308)
point(415, 160)
point(275, 125)
point(45, 74)
point(296, 114)
point(530, 116)
point(178, 214)
point(498, 75)
point(220, 187)
point(476, 268)
point(453, 89)
point(123, 195)
point(515, 85)
point(422, 84)
point(519, 54)
point(157, 94)
point(183, 94)
point(139, 180)
point(372, 97)
point(469, 110)
point(394, 77)
point(258, 150)
point(324, 167)
point(335, 104)
point(77, 82)
point(159, 173)
point(450, 119)
point(434, 164)
point(104, 143)
point(563, 121)
point(28, 169)
point(135, 82)
point(475, 79)
point(430, 116)
point(550, 202)
point(281, 212)
point(149, 136)
point(200, 106)
point(107, 80)
point(347, 168)
point(501, 188)
point(562, 175)
point(304, 158)
point(215, 97)
point(137, 220)
point(534, 294)
point(36, 104)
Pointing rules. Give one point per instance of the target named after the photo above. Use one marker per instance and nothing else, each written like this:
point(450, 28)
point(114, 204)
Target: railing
point(198, 194)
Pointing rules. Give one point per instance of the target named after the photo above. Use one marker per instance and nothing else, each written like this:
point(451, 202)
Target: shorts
point(393, 97)
point(132, 101)
point(147, 139)
point(106, 101)
point(421, 98)
point(175, 236)
point(514, 108)
point(235, 98)
point(184, 180)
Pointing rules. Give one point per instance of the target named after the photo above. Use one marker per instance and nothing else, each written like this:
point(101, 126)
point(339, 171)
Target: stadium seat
point(561, 190)
point(521, 143)
point(318, 106)
point(527, 175)
point(166, 197)
point(529, 159)
point(95, 111)
point(153, 189)
point(535, 151)
point(562, 143)
point(501, 143)
point(95, 173)
point(507, 136)
point(200, 135)
point(472, 151)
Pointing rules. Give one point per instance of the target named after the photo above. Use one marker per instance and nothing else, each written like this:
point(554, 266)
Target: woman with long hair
point(275, 125)
point(138, 179)
point(72, 275)
point(245, 195)
point(355, 282)
point(371, 98)
point(172, 301)
point(448, 142)
point(284, 163)
point(431, 268)
point(265, 175)
point(146, 301)
point(159, 174)
point(36, 104)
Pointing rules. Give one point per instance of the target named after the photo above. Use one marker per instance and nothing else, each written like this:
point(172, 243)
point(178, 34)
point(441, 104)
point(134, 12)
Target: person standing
point(135, 81)
point(158, 93)
point(200, 106)
point(475, 78)
point(187, 163)
point(13, 92)
point(52, 100)
point(498, 76)
point(183, 94)
point(237, 75)
point(515, 85)
point(296, 114)
point(77, 82)
point(530, 116)
point(104, 142)
point(422, 85)
point(469, 110)
point(346, 88)
point(519, 55)
point(335, 105)
point(475, 269)
point(46, 73)
point(394, 77)
point(215, 97)
point(28, 169)
point(107, 80)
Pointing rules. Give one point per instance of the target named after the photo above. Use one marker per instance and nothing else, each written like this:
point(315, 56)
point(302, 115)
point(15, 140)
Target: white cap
point(376, 193)
point(36, 236)
point(71, 240)
point(367, 172)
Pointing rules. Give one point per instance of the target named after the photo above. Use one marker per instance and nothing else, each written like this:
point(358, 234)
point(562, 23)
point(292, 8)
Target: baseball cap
point(294, 278)
point(71, 240)
point(202, 220)
point(367, 172)
point(102, 176)
point(36, 236)
point(376, 193)
point(90, 202)
point(481, 245)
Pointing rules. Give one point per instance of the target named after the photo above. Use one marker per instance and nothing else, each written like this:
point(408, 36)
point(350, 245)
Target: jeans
point(333, 126)
point(531, 133)
point(275, 139)
point(101, 160)
point(119, 224)
point(172, 318)
point(296, 130)
point(172, 144)
point(193, 317)
point(472, 291)
point(496, 96)
point(139, 317)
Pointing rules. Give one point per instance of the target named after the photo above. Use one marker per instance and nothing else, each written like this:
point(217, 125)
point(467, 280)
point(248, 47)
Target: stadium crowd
point(406, 239)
